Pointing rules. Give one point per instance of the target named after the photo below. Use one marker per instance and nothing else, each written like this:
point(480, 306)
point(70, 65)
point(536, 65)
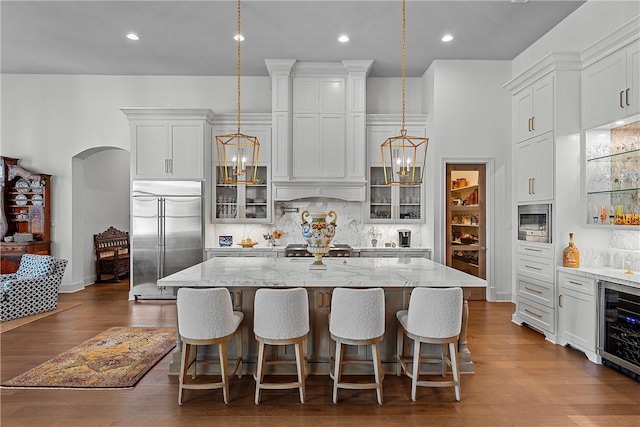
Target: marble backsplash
point(623, 252)
point(351, 228)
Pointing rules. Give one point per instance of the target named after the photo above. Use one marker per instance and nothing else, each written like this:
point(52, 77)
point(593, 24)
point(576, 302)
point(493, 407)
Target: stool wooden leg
point(239, 351)
point(260, 370)
point(301, 371)
point(453, 353)
point(184, 364)
point(416, 368)
point(337, 371)
point(444, 359)
point(377, 370)
point(399, 349)
point(222, 349)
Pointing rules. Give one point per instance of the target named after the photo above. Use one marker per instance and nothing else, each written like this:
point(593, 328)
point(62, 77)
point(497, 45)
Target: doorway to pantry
point(466, 220)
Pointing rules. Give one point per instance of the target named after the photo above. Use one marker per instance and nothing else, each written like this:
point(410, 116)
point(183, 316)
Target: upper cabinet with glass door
point(613, 175)
point(391, 203)
point(242, 202)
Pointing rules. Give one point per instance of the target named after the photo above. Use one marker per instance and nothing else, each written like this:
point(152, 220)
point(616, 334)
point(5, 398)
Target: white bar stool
point(357, 318)
point(281, 317)
point(434, 317)
point(205, 317)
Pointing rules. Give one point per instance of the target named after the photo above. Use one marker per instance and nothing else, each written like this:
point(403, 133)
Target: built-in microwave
point(534, 223)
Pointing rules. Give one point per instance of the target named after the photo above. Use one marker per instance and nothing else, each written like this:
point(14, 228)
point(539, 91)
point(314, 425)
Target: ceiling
point(195, 37)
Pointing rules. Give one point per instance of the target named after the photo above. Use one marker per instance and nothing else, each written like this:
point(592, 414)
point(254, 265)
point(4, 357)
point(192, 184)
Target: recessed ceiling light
point(133, 36)
point(343, 38)
point(239, 37)
point(447, 38)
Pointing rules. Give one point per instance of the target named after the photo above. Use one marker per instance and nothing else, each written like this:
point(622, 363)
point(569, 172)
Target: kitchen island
point(243, 276)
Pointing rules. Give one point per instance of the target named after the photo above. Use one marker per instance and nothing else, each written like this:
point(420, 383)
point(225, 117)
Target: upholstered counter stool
point(281, 317)
point(205, 317)
point(357, 318)
point(434, 317)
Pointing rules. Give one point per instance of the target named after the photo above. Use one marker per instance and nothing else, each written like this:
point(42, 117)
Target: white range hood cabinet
point(318, 129)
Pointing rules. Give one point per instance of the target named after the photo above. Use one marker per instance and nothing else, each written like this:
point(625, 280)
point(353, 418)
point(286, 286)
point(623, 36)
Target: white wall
point(469, 120)
point(384, 95)
point(49, 119)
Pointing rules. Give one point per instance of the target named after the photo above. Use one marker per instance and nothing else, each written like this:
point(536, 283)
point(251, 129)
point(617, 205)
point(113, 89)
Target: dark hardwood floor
point(520, 380)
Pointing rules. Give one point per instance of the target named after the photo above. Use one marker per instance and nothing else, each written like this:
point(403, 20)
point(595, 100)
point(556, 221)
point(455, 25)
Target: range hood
point(349, 191)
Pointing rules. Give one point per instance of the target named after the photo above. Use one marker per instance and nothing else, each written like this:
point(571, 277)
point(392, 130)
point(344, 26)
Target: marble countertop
point(351, 272)
point(615, 275)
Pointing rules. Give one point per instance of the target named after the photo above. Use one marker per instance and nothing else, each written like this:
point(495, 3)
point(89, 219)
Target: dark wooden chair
point(112, 253)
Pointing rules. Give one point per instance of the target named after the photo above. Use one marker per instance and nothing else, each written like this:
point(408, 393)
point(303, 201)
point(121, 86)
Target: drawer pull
point(576, 283)
point(533, 250)
point(533, 290)
point(533, 268)
point(626, 96)
point(621, 102)
point(532, 313)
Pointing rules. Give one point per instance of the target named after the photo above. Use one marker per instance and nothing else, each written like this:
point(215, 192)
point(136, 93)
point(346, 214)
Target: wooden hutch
point(25, 219)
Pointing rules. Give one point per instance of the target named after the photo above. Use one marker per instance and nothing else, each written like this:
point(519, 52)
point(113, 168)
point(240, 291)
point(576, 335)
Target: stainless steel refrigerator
point(167, 233)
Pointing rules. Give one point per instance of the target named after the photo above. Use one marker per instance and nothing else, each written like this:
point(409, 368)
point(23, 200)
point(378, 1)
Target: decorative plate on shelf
point(21, 200)
point(36, 186)
point(37, 200)
point(22, 185)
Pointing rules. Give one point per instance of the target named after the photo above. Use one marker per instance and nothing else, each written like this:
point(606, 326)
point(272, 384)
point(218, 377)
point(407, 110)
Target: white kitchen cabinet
point(611, 87)
point(535, 288)
point(534, 169)
point(236, 251)
point(319, 127)
point(391, 203)
point(577, 313)
point(242, 202)
point(169, 143)
point(533, 109)
point(401, 253)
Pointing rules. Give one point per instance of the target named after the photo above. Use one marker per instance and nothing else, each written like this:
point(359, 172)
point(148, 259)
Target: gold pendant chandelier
point(404, 156)
point(238, 153)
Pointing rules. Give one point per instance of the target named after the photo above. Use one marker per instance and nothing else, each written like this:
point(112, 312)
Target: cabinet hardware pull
point(239, 299)
point(575, 283)
point(170, 165)
point(529, 124)
point(626, 96)
point(327, 299)
point(560, 300)
point(533, 290)
point(534, 250)
point(532, 313)
point(533, 268)
point(529, 185)
point(533, 123)
point(533, 186)
point(319, 300)
point(165, 166)
point(621, 104)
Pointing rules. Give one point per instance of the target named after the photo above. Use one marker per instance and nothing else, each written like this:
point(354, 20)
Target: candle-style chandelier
point(238, 153)
point(404, 156)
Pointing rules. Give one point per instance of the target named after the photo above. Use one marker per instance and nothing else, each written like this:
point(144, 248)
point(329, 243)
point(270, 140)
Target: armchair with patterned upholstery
point(33, 288)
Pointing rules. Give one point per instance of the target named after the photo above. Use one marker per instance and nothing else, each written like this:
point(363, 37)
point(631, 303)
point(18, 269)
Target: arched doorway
point(100, 199)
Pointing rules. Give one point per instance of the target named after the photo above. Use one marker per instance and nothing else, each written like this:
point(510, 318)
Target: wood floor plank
point(520, 379)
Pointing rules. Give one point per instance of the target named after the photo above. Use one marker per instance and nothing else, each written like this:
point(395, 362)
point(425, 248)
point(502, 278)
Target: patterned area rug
point(116, 358)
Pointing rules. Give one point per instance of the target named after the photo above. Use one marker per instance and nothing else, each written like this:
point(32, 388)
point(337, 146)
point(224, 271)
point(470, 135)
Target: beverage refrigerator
point(167, 233)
